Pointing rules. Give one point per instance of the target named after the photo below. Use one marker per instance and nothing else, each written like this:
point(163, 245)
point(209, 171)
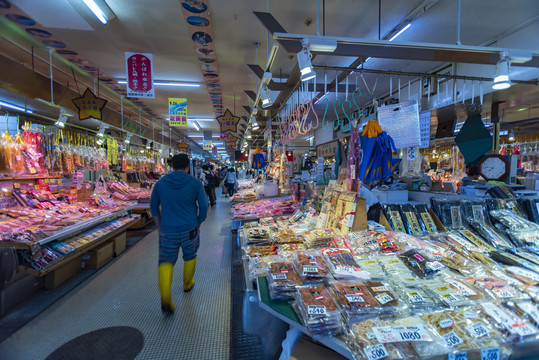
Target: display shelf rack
point(33, 177)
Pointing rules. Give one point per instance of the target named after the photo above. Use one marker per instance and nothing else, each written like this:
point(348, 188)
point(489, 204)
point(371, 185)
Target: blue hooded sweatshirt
point(174, 199)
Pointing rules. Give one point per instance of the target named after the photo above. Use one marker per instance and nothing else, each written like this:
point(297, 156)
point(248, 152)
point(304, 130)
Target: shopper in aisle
point(230, 181)
point(207, 180)
point(178, 206)
point(214, 182)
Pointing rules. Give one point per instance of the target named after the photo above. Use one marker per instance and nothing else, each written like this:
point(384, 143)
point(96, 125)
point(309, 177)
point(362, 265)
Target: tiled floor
point(126, 294)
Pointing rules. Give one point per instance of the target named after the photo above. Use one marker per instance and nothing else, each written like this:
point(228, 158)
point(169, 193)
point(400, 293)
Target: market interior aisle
point(126, 294)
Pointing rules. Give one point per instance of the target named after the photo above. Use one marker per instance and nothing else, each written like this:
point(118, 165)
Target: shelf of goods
point(441, 287)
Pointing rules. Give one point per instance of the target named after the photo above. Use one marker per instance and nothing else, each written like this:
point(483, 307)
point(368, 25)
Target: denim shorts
point(170, 244)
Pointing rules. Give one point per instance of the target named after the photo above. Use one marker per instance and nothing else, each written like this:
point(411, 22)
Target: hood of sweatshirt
point(177, 179)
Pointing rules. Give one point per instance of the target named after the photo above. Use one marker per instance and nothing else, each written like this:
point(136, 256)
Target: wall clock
point(494, 167)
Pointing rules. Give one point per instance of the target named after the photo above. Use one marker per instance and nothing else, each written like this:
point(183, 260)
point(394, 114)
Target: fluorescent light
point(166, 83)
point(400, 32)
point(96, 10)
point(14, 107)
point(196, 125)
point(200, 119)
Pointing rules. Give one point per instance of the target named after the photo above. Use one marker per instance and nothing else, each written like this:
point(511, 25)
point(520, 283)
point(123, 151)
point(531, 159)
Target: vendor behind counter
point(372, 204)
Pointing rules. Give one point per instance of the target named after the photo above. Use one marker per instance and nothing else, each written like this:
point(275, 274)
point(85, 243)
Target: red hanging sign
point(139, 75)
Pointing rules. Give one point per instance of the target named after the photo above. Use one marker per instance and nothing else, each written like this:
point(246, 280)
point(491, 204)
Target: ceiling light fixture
point(406, 27)
point(196, 125)
point(61, 122)
point(100, 9)
point(148, 145)
point(15, 107)
point(512, 136)
point(501, 77)
point(305, 65)
point(265, 96)
point(249, 136)
point(166, 83)
point(255, 125)
point(101, 131)
point(99, 141)
point(128, 138)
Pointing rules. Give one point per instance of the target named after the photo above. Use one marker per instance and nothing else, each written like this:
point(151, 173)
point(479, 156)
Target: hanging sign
point(401, 122)
point(139, 75)
point(424, 126)
point(206, 145)
point(177, 112)
point(258, 162)
point(183, 146)
point(90, 106)
point(230, 140)
point(214, 151)
point(228, 122)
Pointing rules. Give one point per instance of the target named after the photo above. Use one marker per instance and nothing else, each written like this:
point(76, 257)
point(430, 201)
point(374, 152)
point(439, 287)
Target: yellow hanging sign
point(177, 111)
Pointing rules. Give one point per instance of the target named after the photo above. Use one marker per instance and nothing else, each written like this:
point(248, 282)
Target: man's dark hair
point(473, 171)
point(180, 161)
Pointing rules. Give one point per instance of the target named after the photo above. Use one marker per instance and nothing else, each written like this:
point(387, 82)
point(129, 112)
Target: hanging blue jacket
point(180, 201)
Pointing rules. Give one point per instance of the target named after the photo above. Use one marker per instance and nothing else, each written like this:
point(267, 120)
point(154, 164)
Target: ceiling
point(159, 27)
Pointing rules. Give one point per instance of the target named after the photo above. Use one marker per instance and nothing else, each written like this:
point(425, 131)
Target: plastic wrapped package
point(512, 326)
point(425, 219)
point(342, 265)
point(527, 255)
point(500, 273)
point(525, 238)
point(449, 212)
point(494, 287)
point(416, 298)
point(288, 251)
point(526, 276)
point(531, 290)
point(286, 237)
point(317, 310)
point(491, 235)
point(258, 266)
point(475, 211)
point(454, 260)
point(261, 250)
point(394, 217)
point(383, 294)
point(526, 310)
point(386, 243)
point(375, 270)
point(511, 259)
point(392, 264)
point(420, 266)
point(512, 220)
point(409, 218)
point(455, 337)
point(363, 242)
point(465, 290)
point(364, 345)
point(257, 235)
point(415, 331)
point(318, 238)
point(532, 209)
point(311, 266)
point(282, 280)
point(446, 294)
point(355, 300)
point(476, 240)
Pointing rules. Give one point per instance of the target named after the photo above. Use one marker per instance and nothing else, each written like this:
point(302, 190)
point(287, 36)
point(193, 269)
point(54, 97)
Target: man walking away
point(178, 206)
point(214, 183)
point(230, 181)
point(207, 180)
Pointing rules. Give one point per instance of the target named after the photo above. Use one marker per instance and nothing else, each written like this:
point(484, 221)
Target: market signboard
point(177, 112)
point(139, 68)
point(206, 145)
point(401, 122)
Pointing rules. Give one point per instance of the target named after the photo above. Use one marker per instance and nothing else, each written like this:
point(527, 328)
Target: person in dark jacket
point(178, 206)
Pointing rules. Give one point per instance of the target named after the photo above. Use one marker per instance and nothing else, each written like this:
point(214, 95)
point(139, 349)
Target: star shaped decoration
point(230, 140)
point(90, 106)
point(183, 146)
point(228, 122)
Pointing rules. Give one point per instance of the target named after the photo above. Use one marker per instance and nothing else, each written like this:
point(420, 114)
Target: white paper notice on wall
point(424, 129)
point(401, 122)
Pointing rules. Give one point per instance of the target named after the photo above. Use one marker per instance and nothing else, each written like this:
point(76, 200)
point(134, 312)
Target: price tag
point(452, 339)
point(380, 288)
point(376, 352)
point(503, 293)
point(461, 288)
point(435, 265)
point(490, 354)
point(310, 269)
point(354, 298)
point(342, 268)
point(448, 298)
point(415, 297)
point(510, 205)
point(458, 356)
point(436, 256)
point(279, 276)
point(257, 260)
point(316, 309)
point(477, 330)
point(531, 310)
point(445, 323)
point(383, 298)
point(523, 329)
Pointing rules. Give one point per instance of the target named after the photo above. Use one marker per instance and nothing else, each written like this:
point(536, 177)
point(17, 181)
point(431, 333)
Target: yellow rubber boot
point(165, 283)
point(188, 273)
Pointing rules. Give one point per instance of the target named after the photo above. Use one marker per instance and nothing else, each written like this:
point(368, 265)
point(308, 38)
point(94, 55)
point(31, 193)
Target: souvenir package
point(527, 255)
point(409, 218)
point(386, 243)
point(511, 259)
point(286, 237)
point(525, 238)
point(394, 217)
point(393, 266)
point(495, 288)
point(261, 250)
point(425, 219)
point(288, 251)
point(475, 211)
point(455, 337)
point(363, 242)
point(512, 326)
point(459, 241)
point(365, 345)
point(419, 265)
point(374, 269)
point(531, 290)
point(413, 330)
point(476, 240)
point(531, 207)
point(501, 192)
point(354, 299)
point(449, 212)
point(512, 220)
point(416, 298)
point(282, 280)
point(317, 310)
point(311, 266)
point(524, 275)
point(257, 235)
point(258, 266)
point(500, 273)
point(446, 294)
point(527, 310)
point(465, 290)
point(383, 294)
point(318, 238)
point(491, 235)
point(342, 265)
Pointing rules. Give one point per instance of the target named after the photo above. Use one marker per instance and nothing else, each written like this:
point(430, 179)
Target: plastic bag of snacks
point(455, 337)
point(525, 237)
point(495, 288)
point(310, 266)
point(363, 242)
point(282, 280)
point(525, 309)
point(412, 330)
point(258, 235)
point(288, 251)
point(443, 292)
point(476, 240)
point(512, 326)
point(318, 238)
point(419, 265)
point(286, 237)
point(490, 234)
point(258, 266)
point(383, 293)
point(524, 275)
point(465, 290)
point(409, 218)
point(449, 212)
point(511, 259)
point(475, 211)
point(425, 219)
point(261, 250)
point(512, 220)
point(342, 265)
point(317, 310)
point(354, 299)
point(394, 217)
point(415, 297)
point(364, 344)
point(397, 269)
point(375, 270)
